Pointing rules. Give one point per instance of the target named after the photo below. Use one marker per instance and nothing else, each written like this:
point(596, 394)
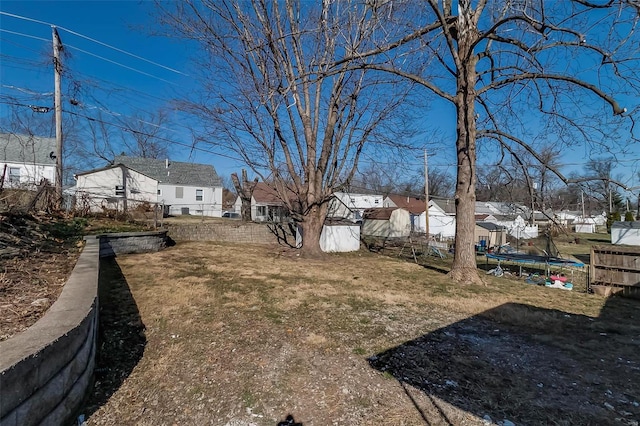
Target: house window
point(14, 174)
point(261, 210)
point(376, 201)
point(179, 191)
point(159, 191)
point(198, 194)
point(119, 191)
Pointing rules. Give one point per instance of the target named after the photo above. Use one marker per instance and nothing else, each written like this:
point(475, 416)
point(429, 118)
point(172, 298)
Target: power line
point(93, 40)
point(128, 88)
point(193, 147)
point(119, 64)
point(23, 34)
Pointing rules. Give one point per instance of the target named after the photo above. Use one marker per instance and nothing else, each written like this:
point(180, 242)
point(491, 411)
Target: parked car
point(231, 215)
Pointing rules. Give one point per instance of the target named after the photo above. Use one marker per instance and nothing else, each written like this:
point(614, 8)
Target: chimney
point(166, 163)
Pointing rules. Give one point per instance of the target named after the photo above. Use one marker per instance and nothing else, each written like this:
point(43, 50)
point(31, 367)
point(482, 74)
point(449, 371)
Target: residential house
point(389, 222)
point(442, 223)
point(115, 187)
point(25, 160)
point(511, 216)
point(266, 204)
point(415, 206)
point(183, 188)
point(351, 207)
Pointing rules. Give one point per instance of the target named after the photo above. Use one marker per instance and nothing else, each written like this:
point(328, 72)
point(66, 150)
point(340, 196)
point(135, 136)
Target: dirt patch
point(235, 335)
point(37, 255)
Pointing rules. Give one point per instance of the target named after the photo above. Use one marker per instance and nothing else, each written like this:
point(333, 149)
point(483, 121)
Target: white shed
point(627, 233)
point(340, 237)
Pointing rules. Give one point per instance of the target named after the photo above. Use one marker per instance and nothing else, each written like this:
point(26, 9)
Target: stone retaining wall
point(46, 371)
point(131, 242)
point(233, 231)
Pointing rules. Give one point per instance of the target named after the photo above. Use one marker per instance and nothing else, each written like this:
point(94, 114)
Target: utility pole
point(57, 102)
point(583, 216)
point(426, 193)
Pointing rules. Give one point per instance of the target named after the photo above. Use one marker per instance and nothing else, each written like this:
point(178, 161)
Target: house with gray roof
point(26, 159)
point(181, 188)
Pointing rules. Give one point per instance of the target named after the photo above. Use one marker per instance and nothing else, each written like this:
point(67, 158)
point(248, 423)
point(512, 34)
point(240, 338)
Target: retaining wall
point(46, 371)
point(131, 242)
point(233, 231)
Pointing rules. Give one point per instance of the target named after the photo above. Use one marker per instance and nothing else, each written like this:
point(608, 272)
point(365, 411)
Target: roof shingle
point(177, 173)
point(27, 149)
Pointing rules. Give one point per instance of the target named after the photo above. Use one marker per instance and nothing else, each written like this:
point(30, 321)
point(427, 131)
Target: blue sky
point(117, 89)
point(121, 83)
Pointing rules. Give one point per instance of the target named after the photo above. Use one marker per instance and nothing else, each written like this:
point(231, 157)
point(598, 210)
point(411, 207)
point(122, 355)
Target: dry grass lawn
point(245, 335)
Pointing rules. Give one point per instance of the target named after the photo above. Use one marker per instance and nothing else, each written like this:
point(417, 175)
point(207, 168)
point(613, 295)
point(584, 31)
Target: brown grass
point(237, 335)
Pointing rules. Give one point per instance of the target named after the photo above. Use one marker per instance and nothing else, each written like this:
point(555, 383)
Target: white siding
point(97, 191)
point(30, 174)
point(210, 205)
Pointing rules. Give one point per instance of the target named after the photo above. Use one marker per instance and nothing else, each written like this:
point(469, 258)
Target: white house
point(183, 188)
point(351, 207)
point(441, 223)
point(25, 160)
point(114, 187)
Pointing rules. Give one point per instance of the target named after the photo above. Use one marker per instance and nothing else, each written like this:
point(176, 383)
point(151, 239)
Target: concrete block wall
point(46, 370)
point(131, 242)
point(235, 232)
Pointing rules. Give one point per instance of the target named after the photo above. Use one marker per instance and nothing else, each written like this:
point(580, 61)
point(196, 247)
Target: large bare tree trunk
point(312, 229)
point(464, 269)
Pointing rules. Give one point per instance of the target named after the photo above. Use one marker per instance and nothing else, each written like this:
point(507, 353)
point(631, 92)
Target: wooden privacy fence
point(616, 267)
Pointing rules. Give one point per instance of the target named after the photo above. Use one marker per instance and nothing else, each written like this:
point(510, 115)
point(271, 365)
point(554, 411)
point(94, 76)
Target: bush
point(628, 217)
point(613, 217)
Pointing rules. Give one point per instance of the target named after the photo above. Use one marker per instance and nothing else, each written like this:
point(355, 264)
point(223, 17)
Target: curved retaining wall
point(46, 370)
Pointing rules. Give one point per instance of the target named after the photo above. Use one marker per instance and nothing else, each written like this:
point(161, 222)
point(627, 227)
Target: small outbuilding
point(387, 222)
point(625, 233)
point(489, 234)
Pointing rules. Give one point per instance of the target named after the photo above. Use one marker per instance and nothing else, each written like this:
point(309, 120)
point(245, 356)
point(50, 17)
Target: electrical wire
point(119, 64)
point(193, 147)
point(92, 40)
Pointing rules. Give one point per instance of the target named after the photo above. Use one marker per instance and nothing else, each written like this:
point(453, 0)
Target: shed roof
point(626, 225)
point(381, 213)
point(412, 204)
point(27, 149)
point(177, 173)
point(490, 226)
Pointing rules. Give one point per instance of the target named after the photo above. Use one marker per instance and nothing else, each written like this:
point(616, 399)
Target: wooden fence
point(616, 269)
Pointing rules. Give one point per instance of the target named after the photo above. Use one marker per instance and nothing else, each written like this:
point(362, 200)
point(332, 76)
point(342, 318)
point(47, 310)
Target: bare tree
point(514, 70)
point(274, 96)
point(244, 189)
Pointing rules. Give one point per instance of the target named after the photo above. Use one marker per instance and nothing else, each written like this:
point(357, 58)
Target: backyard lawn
point(223, 334)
